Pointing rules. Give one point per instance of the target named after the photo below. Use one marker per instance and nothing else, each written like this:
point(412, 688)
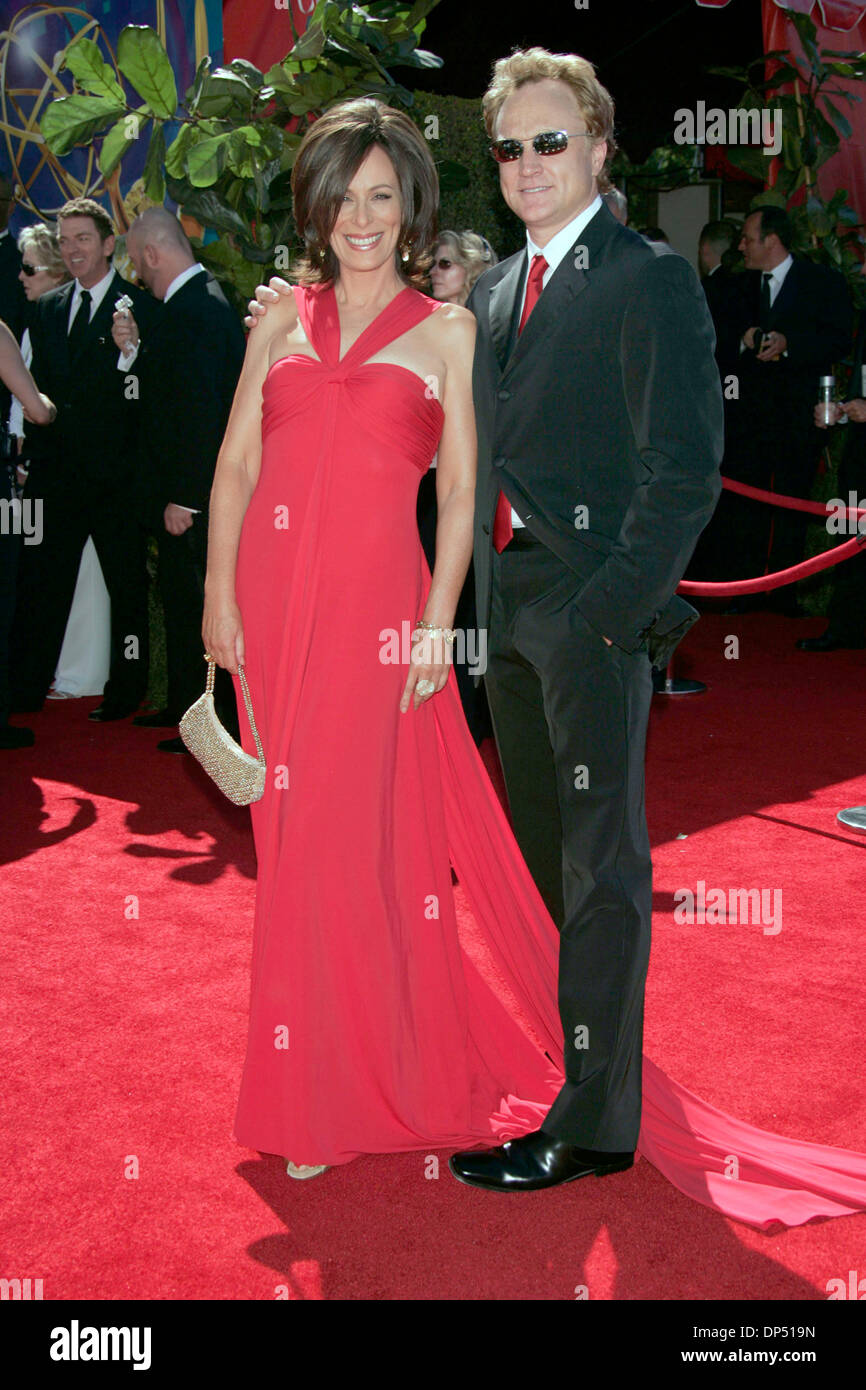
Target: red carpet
point(127, 898)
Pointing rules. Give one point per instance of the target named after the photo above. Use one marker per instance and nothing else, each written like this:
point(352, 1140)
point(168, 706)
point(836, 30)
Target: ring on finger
point(425, 688)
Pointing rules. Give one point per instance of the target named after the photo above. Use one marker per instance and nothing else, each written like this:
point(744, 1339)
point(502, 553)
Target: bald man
point(188, 367)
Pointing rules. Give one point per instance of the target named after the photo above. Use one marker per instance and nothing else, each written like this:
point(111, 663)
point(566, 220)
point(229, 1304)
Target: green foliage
point(225, 153)
point(667, 166)
point(471, 200)
point(813, 127)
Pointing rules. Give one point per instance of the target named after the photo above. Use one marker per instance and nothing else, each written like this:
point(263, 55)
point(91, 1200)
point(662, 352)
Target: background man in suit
point(599, 421)
point(82, 471)
point(188, 368)
point(12, 301)
point(716, 250)
point(717, 256)
point(846, 626)
point(789, 322)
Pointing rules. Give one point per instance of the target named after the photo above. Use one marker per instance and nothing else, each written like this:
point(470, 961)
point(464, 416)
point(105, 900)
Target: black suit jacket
point(813, 309)
point(93, 435)
point(189, 367)
point(722, 293)
point(855, 386)
point(13, 303)
point(609, 400)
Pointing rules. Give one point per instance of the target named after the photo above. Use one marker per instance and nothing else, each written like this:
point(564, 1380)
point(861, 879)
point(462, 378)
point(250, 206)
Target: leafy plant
point(666, 167)
point(813, 127)
point(225, 152)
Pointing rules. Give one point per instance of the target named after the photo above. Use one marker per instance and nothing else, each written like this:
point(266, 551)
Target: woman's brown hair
point(327, 161)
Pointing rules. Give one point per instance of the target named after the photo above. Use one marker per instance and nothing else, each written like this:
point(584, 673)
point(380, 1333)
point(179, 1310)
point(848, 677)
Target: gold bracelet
point(432, 630)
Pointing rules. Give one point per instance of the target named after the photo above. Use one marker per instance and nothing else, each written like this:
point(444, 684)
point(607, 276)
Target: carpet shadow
point(377, 1229)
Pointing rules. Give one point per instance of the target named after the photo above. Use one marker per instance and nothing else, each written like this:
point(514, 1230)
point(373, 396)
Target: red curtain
point(261, 32)
point(847, 169)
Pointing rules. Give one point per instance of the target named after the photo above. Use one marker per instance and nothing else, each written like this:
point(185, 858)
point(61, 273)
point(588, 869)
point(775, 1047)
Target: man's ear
point(108, 246)
point(599, 155)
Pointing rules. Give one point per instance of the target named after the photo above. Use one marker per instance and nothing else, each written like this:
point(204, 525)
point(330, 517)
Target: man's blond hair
point(535, 65)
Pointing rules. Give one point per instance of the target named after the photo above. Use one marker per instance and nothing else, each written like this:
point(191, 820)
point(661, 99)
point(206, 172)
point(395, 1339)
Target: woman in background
point(459, 260)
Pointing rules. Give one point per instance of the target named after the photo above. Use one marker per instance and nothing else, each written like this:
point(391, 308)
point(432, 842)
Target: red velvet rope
point(765, 582)
point(779, 499)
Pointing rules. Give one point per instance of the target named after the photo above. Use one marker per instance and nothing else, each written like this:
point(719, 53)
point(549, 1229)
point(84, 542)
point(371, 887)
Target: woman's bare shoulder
point(454, 325)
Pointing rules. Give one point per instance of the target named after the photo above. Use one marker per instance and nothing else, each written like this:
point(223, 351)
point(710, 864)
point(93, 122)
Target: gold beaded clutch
point(238, 774)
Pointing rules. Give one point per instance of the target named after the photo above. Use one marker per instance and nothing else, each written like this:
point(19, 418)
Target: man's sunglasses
point(548, 142)
point(31, 270)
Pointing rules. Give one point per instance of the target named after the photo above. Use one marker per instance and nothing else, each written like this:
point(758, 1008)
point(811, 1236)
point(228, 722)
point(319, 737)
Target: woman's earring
point(319, 254)
point(404, 254)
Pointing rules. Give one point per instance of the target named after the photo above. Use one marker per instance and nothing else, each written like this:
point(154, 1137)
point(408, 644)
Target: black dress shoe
point(10, 737)
point(534, 1161)
point(105, 713)
point(157, 719)
point(172, 745)
point(827, 642)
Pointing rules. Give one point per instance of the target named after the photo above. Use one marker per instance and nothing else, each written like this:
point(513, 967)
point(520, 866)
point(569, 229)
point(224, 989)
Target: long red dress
point(376, 1024)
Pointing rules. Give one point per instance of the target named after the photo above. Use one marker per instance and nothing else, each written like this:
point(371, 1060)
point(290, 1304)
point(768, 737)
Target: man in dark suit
point(82, 471)
point(12, 300)
point(716, 248)
point(846, 614)
point(599, 420)
point(717, 256)
point(790, 321)
point(188, 369)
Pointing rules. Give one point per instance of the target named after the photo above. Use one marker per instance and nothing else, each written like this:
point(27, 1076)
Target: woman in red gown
point(378, 1021)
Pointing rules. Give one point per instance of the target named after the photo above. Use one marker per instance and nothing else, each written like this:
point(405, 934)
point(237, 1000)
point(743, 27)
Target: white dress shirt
point(191, 270)
point(554, 253)
point(97, 293)
point(777, 277)
point(777, 280)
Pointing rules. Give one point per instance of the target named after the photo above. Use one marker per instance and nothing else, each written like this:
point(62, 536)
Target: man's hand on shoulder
point(266, 295)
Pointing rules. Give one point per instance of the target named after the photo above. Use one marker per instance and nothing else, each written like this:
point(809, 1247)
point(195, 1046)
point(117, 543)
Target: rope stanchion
point(781, 499)
point(764, 583)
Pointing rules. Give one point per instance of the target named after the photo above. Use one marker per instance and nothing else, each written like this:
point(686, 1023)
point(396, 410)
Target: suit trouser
point(570, 716)
point(757, 538)
point(71, 511)
point(10, 550)
point(181, 570)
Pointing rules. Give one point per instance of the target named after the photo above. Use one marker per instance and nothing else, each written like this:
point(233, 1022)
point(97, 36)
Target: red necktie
point(502, 528)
